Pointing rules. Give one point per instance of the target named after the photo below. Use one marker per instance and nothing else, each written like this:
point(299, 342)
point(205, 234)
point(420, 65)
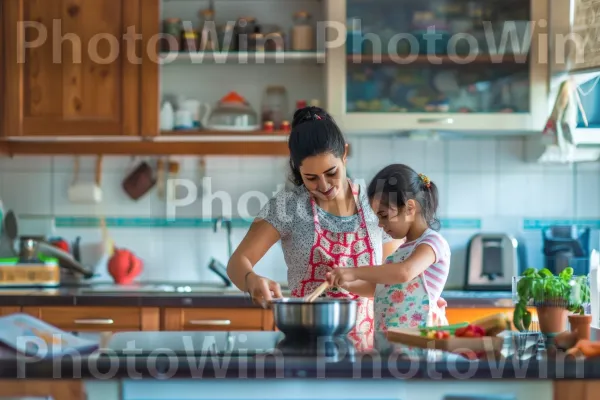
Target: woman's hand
point(341, 276)
point(262, 290)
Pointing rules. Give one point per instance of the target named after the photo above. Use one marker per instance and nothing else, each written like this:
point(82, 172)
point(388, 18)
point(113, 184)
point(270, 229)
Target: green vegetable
point(526, 320)
point(542, 287)
point(450, 328)
point(518, 317)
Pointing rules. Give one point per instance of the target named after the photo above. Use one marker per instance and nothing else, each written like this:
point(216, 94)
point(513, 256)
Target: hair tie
point(425, 180)
point(317, 116)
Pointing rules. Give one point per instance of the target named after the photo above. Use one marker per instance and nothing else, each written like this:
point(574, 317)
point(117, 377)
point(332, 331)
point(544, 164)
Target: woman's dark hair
point(313, 132)
point(397, 183)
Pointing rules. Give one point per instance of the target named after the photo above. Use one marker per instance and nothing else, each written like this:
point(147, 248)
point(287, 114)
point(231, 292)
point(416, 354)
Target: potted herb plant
point(553, 296)
point(580, 321)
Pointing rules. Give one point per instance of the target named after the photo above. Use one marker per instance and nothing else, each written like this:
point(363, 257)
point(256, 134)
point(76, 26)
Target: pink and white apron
point(351, 249)
point(406, 305)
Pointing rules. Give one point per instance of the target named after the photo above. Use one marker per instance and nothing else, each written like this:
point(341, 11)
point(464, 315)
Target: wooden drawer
point(216, 319)
point(104, 319)
point(9, 310)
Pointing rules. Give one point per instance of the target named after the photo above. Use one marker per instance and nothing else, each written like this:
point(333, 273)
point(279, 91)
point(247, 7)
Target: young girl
point(407, 288)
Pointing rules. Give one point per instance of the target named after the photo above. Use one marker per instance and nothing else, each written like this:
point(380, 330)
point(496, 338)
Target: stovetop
point(232, 344)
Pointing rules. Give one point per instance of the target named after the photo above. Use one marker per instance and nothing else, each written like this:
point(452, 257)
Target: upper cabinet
point(74, 67)
point(467, 65)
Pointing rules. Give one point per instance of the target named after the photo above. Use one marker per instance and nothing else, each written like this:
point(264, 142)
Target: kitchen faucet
point(216, 266)
point(219, 222)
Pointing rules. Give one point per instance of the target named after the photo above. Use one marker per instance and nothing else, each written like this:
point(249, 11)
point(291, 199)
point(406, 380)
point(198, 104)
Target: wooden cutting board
point(413, 338)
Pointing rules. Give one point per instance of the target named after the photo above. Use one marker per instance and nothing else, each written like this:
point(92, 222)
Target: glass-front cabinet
point(477, 65)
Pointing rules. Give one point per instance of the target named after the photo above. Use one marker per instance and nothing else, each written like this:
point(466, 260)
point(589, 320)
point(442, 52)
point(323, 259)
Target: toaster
point(492, 261)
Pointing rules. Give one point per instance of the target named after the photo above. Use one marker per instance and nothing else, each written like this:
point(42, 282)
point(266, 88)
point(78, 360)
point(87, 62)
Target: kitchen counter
point(157, 294)
point(161, 355)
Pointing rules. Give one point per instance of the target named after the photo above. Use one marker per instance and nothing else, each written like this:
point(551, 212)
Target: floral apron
point(406, 305)
point(331, 249)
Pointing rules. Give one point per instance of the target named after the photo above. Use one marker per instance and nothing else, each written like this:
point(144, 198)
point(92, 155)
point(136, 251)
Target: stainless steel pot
point(323, 317)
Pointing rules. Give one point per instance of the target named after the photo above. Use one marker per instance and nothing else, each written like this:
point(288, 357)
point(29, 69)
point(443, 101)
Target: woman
point(323, 222)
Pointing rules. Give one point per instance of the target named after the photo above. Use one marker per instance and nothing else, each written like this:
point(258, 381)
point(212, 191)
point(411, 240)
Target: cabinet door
point(72, 67)
point(98, 319)
point(437, 65)
point(216, 319)
point(42, 389)
point(9, 310)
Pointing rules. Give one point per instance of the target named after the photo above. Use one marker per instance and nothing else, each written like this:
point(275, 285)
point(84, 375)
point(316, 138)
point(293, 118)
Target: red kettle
point(124, 266)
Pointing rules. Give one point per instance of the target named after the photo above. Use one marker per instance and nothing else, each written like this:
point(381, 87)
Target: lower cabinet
point(9, 310)
point(98, 319)
point(216, 319)
point(42, 389)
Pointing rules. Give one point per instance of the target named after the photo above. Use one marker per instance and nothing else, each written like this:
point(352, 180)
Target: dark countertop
point(162, 355)
point(160, 294)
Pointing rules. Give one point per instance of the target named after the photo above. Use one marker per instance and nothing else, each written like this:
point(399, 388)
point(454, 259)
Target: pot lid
point(233, 98)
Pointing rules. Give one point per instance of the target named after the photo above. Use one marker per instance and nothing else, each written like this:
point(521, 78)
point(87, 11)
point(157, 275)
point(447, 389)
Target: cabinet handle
point(95, 321)
point(436, 120)
point(210, 322)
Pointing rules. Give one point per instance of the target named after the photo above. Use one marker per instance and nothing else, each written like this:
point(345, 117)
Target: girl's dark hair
point(397, 183)
point(313, 132)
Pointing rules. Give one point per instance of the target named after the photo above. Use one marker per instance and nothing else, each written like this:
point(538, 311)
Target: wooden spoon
point(318, 291)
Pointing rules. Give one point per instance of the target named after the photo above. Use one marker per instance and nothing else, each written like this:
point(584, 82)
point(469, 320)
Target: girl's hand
point(341, 276)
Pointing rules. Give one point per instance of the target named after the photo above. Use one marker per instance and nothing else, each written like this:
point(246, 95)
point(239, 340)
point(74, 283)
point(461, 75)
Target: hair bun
point(308, 114)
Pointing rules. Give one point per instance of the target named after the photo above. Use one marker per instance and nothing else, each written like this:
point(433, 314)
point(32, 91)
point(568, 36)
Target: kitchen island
point(266, 365)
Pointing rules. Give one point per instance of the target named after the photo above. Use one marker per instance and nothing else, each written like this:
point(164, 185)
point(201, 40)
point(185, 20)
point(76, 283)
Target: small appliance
point(567, 246)
point(492, 261)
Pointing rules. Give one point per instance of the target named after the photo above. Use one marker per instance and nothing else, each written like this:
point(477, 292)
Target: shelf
point(273, 144)
point(203, 133)
point(406, 59)
point(233, 57)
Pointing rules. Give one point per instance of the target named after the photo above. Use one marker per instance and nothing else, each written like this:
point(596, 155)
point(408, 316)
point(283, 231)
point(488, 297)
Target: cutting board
point(413, 338)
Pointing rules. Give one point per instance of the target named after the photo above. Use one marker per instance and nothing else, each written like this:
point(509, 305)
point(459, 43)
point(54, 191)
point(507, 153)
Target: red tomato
point(479, 331)
point(461, 331)
point(442, 335)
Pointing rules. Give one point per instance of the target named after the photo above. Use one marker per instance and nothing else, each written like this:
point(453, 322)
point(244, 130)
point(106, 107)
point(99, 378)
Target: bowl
point(325, 316)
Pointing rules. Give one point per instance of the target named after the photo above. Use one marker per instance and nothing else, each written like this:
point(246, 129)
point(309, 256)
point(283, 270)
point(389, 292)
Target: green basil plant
point(542, 288)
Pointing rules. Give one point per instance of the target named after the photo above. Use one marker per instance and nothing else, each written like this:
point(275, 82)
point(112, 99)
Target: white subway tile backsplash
point(410, 152)
point(588, 194)
point(25, 164)
point(376, 153)
point(27, 192)
point(435, 157)
point(559, 194)
point(471, 155)
point(520, 195)
point(470, 194)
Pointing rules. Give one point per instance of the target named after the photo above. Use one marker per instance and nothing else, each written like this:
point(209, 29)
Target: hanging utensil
point(86, 193)
point(9, 234)
point(160, 178)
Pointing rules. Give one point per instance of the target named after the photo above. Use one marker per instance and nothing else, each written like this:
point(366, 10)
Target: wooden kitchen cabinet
point(9, 310)
point(42, 389)
point(76, 67)
point(427, 65)
point(216, 319)
point(576, 389)
point(95, 319)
